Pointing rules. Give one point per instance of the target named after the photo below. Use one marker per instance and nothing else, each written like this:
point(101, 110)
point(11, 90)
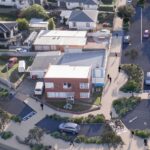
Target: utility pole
point(141, 25)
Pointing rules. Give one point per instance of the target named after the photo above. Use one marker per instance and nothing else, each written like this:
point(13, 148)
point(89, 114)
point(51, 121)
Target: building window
point(84, 85)
point(87, 24)
point(84, 95)
point(49, 85)
point(67, 85)
point(74, 24)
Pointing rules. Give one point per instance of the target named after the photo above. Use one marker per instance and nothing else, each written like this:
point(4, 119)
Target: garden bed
point(135, 78)
point(124, 105)
point(142, 133)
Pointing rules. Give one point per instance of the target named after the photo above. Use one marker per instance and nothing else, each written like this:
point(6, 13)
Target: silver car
point(69, 127)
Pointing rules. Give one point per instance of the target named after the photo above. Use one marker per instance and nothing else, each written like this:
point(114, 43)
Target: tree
point(22, 24)
point(126, 11)
point(4, 119)
point(131, 86)
point(51, 24)
point(34, 11)
point(34, 136)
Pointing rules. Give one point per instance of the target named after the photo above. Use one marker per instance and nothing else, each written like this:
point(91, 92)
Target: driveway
point(139, 118)
point(143, 59)
point(90, 130)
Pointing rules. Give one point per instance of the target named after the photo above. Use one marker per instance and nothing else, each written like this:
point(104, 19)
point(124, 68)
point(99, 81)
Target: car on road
point(127, 39)
point(147, 78)
point(69, 127)
point(146, 34)
point(22, 50)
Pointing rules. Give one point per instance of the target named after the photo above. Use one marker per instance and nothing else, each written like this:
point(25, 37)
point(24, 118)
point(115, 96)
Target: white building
point(84, 4)
point(80, 19)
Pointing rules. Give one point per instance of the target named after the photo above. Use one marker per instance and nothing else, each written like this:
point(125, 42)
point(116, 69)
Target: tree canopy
point(51, 24)
point(34, 11)
point(22, 24)
point(126, 11)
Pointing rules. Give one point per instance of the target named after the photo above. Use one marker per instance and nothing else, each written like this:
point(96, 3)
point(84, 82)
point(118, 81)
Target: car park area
point(50, 125)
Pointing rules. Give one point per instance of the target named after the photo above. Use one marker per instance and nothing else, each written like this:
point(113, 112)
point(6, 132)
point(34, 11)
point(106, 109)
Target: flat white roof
point(61, 37)
point(65, 71)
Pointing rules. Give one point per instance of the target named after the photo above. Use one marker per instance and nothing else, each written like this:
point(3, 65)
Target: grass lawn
point(77, 107)
point(12, 73)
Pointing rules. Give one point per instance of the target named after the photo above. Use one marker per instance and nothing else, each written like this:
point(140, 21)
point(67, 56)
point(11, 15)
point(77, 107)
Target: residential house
point(63, 81)
point(9, 34)
point(19, 4)
point(80, 19)
point(84, 4)
point(41, 63)
point(61, 40)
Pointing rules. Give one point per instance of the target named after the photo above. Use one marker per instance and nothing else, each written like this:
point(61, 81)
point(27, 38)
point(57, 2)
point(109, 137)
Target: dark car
point(69, 127)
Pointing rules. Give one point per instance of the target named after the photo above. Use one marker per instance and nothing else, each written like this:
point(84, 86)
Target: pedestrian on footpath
point(119, 68)
point(108, 76)
point(111, 114)
point(72, 142)
point(110, 79)
point(116, 55)
point(117, 35)
point(42, 106)
point(145, 142)
point(132, 134)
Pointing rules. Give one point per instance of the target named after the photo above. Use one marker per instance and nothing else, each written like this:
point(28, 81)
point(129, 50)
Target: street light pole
point(141, 26)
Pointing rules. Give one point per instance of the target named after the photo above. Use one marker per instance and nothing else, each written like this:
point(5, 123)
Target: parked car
point(12, 61)
point(147, 78)
point(39, 87)
point(106, 24)
point(22, 50)
point(146, 34)
point(129, 1)
point(69, 127)
point(126, 39)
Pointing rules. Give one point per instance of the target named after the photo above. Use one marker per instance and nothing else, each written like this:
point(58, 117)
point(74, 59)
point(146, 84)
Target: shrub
point(124, 105)
point(135, 78)
point(80, 139)
point(15, 118)
point(3, 92)
point(6, 135)
point(142, 133)
point(106, 8)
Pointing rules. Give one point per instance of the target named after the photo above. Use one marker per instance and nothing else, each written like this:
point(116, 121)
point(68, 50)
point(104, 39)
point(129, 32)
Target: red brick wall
point(75, 84)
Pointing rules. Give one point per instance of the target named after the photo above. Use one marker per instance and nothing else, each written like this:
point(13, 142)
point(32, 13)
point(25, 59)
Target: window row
point(67, 85)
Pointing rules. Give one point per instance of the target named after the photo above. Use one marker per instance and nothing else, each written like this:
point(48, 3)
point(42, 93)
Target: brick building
point(63, 81)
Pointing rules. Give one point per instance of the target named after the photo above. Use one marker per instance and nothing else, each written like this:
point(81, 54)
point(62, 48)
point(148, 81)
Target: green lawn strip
point(135, 78)
point(125, 105)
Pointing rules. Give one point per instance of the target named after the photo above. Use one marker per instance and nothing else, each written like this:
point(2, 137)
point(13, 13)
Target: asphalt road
point(143, 59)
point(4, 147)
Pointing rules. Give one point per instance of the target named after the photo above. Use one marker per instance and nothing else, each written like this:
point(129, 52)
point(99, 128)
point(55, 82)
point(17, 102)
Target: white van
point(21, 66)
point(39, 88)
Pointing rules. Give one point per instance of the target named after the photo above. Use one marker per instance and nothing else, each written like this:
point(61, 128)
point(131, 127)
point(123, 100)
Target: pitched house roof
point(6, 26)
point(83, 16)
point(88, 2)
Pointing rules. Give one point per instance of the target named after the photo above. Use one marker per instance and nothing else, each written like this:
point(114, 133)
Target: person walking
point(42, 106)
point(72, 142)
point(108, 76)
point(132, 134)
point(110, 79)
point(145, 142)
point(111, 114)
point(119, 68)
point(116, 55)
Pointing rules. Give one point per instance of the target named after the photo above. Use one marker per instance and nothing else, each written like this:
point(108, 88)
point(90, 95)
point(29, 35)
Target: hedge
point(106, 8)
point(6, 135)
point(142, 133)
